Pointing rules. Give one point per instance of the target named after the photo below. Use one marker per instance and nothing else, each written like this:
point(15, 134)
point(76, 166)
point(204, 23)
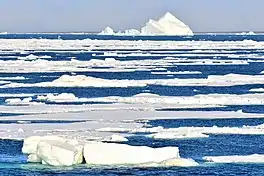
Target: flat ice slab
point(119, 154)
point(256, 158)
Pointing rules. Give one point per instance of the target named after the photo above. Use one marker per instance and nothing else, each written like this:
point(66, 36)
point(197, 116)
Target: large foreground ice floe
point(57, 151)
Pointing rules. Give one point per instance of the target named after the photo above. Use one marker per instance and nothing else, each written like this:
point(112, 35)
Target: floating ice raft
point(57, 151)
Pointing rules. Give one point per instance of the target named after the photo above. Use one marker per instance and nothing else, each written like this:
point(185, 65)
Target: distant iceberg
point(107, 31)
point(166, 25)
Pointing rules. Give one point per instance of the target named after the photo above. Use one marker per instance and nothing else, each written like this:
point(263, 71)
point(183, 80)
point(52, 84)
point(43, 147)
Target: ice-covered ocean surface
point(201, 93)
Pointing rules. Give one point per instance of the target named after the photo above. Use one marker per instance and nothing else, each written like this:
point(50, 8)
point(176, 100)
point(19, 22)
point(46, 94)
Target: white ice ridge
point(255, 158)
point(89, 45)
point(13, 78)
point(111, 65)
point(200, 99)
point(210, 100)
point(166, 25)
point(82, 81)
point(189, 132)
point(88, 81)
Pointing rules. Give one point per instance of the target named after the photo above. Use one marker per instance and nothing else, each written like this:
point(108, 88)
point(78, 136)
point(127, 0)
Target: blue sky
point(94, 15)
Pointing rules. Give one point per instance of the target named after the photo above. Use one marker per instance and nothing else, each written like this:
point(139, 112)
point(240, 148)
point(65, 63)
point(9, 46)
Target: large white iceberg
point(166, 25)
point(53, 150)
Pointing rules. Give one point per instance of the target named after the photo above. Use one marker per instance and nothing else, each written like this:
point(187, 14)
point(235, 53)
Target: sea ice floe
point(180, 162)
point(116, 138)
point(82, 81)
point(63, 97)
point(110, 64)
point(255, 158)
point(29, 57)
point(13, 78)
point(210, 99)
point(257, 90)
point(58, 151)
point(177, 135)
point(21, 102)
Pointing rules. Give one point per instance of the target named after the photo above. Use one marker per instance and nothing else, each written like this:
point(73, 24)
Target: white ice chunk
point(30, 144)
point(29, 57)
point(53, 150)
point(119, 154)
point(63, 97)
point(257, 90)
point(56, 153)
point(177, 135)
point(33, 158)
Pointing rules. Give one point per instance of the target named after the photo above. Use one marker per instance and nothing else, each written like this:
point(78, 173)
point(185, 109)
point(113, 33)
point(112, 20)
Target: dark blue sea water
point(13, 163)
